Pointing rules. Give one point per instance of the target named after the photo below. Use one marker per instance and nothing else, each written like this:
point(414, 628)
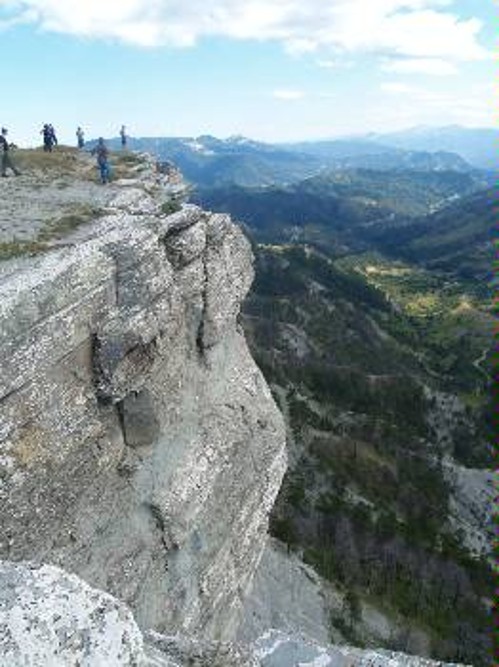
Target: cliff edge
point(140, 447)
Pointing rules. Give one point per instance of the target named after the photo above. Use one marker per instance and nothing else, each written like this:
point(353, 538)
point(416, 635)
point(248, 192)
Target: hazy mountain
point(478, 146)
point(359, 153)
point(210, 162)
point(207, 161)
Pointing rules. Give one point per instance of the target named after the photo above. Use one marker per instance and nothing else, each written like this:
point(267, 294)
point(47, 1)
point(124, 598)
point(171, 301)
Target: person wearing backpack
point(5, 152)
point(47, 138)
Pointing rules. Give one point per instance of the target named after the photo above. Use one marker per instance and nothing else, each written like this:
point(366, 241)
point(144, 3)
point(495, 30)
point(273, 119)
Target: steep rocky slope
point(139, 444)
point(49, 618)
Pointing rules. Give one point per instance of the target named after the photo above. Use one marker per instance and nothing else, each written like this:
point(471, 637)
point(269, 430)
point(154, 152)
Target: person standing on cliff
point(5, 151)
point(53, 138)
point(80, 136)
point(102, 160)
point(49, 138)
point(123, 137)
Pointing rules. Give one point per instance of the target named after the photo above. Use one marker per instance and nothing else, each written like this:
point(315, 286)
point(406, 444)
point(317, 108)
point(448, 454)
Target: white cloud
point(417, 104)
point(288, 95)
point(335, 63)
point(419, 94)
point(328, 63)
point(418, 32)
point(397, 88)
point(431, 66)
point(413, 28)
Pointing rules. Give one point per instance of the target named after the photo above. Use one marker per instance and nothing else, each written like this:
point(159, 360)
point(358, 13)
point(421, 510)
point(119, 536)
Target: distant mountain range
point(207, 161)
point(210, 162)
point(478, 146)
point(370, 318)
point(367, 154)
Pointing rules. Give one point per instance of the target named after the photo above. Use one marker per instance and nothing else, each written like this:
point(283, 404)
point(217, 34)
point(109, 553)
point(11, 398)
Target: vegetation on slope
point(369, 316)
point(338, 207)
point(350, 346)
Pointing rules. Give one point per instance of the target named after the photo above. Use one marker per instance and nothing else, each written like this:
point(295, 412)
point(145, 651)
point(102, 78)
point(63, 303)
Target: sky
point(272, 70)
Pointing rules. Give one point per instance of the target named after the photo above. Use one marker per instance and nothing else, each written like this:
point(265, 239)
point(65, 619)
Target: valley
point(374, 363)
point(370, 317)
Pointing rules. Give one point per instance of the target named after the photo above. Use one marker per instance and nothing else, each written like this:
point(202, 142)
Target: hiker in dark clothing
point(123, 136)
point(52, 135)
point(5, 152)
point(47, 138)
point(80, 136)
point(102, 160)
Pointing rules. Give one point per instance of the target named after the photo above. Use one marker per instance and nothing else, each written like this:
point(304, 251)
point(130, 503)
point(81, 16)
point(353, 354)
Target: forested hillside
point(341, 207)
point(364, 356)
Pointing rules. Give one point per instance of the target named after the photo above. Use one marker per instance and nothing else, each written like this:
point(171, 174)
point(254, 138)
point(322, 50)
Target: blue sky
point(269, 69)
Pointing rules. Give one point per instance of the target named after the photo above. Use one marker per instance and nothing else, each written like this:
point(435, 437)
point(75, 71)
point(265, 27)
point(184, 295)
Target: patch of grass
point(440, 315)
point(62, 158)
point(13, 249)
point(126, 165)
point(54, 229)
point(171, 206)
point(62, 226)
point(127, 158)
point(67, 161)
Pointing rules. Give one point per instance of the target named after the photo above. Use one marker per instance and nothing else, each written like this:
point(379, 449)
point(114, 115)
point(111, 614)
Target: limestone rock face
point(140, 446)
point(48, 617)
point(287, 595)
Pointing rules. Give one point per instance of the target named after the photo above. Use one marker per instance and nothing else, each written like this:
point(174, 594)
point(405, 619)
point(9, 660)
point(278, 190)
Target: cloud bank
point(426, 29)
point(288, 95)
point(429, 66)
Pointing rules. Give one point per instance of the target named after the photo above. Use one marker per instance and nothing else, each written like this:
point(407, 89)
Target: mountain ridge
point(209, 161)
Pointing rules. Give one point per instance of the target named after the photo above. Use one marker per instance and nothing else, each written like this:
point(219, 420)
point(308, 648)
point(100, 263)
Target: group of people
point(50, 140)
point(80, 137)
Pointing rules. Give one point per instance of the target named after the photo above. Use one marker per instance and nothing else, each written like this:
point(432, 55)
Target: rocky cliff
point(140, 447)
point(51, 619)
